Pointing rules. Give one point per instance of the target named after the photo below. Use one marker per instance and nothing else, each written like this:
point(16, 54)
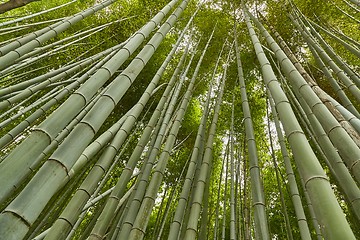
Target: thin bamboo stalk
point(11, 54)
point(294, 191)
point(278, 181)
point(232, 179)
point(217, 211)
point(24, 26)
point(162, 227)
point(79, 34)
point(352, 86)
point(35, 14)
point(354, 50)
point(147, 162)
point(184, 195)
point(225, 196)
point(332, 54)
point(135, 203)
point(191, 229)
point(339, 92)
point(258, 198)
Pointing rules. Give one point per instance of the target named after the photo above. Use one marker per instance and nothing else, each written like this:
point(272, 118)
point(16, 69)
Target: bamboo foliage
point(86, 156)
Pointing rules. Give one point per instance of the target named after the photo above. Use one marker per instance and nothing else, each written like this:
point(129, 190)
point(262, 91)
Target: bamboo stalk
point(322, 197)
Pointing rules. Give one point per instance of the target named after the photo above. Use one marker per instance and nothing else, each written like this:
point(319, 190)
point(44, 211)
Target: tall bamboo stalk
point(327, 209)
point(278, 181)
point(347, 147)
point(184, 195)
point(333, 160)
point(217, 211)
point(232, 178)
point(225, 195)
point(294, 191)
point(191, 229)
point(258, 198)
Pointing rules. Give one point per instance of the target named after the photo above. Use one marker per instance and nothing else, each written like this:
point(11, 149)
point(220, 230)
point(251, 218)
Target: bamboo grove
point(180, 120)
